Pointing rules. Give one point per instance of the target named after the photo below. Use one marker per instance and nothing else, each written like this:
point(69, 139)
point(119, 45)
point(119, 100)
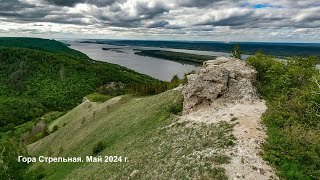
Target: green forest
point(41, 80)
point(46, 75)
point(46, 45)
point(180, 57)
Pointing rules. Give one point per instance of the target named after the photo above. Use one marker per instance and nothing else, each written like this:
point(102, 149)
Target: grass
point(98, 97)
point(49, 117)
point(158, 145)
point(221, 159)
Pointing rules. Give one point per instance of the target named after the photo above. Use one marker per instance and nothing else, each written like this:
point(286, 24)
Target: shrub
point(48, 118)
point(97, 97)
point(55, 128)
point(10, 168)
point(177, 106)
point(236, 52)
point(100, 146)
point(40, 130)
point(234, 119)
point(292, 118)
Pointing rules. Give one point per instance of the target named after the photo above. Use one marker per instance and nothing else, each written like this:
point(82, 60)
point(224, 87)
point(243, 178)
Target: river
point(124, 55)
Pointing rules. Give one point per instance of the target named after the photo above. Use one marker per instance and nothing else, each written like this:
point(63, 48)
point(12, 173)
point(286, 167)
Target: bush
point(37, 173)
point(40, 130)
point(50, 117)
point(177, 106)
point(100, 146)
point(55, 128)
point(10, 168)
point(292, 117)
point(97, 97)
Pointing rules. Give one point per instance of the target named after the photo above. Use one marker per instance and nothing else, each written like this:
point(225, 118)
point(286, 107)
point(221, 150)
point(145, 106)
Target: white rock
point(222, 81)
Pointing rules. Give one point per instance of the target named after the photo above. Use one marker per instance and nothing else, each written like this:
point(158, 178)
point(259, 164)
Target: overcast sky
point(212, 20)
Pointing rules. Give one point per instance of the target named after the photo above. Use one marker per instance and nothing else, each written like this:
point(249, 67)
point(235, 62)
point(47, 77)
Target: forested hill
point(34, 82)
point(40, 44)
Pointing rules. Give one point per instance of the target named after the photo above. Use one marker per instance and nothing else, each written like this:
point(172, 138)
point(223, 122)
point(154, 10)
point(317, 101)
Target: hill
point(46, 45)
point(34, 82)
point(218, 135)
point(156, 143)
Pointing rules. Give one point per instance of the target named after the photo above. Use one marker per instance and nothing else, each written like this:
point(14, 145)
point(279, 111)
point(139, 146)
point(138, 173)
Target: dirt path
point(250, 134)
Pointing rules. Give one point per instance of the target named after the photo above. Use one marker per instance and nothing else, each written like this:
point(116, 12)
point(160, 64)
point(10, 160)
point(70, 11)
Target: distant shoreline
point(278, 50)
point(180, 57)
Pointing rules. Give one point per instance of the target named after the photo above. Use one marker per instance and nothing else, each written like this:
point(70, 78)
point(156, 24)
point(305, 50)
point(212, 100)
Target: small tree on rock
point(236, 52)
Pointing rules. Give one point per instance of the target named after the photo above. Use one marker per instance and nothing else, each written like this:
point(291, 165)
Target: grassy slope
point(137, 128)
point(46, 75)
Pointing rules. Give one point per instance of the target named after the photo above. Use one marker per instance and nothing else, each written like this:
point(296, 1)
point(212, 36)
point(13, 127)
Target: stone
point(220, 82)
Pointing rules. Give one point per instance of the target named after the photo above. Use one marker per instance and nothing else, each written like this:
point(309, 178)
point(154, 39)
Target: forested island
point(113, 49)
point(249, 48)
point(180, 57)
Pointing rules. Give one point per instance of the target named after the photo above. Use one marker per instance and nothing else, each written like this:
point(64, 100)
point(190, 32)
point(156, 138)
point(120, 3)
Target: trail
point(223, 91)
point(246, 163)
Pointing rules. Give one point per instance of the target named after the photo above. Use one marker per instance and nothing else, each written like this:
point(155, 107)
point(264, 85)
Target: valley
point(159, 89)
point(212, 124)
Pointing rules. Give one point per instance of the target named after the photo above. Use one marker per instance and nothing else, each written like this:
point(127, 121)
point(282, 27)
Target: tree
point(317, 104)
point(236, 52)
point(10, 168)
point(175, 80)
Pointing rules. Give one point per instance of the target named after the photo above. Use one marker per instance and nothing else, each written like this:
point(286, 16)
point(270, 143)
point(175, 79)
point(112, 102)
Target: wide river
point(124, 55)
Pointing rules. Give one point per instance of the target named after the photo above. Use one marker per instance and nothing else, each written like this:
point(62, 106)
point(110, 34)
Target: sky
point(208, 20)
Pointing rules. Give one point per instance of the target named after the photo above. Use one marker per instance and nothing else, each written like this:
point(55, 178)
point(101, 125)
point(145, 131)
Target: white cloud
point(256, 20)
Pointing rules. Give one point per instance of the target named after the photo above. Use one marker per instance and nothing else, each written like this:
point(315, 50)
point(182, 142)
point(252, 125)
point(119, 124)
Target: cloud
point(228, 17)
point(308, 15)
point(158, 24)
point(72, 3)
point(14, 5)
point(166, 18)
point(196, 3)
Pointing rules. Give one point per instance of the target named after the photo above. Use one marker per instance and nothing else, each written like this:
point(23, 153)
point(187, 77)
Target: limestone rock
point(220, 82)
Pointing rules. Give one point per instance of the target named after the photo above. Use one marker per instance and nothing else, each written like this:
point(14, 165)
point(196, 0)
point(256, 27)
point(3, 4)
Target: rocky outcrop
point(223, 91)
point(220, 82)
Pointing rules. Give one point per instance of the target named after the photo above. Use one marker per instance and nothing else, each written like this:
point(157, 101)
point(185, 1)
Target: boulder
point(220, 82)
